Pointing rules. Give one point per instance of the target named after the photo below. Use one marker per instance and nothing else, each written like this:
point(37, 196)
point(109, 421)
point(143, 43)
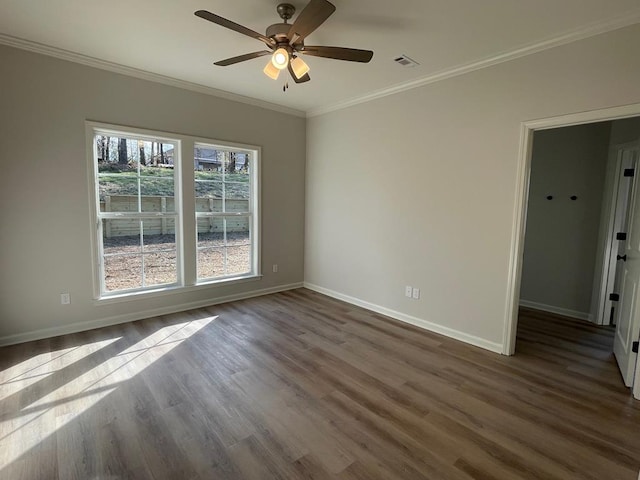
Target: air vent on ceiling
point(405, 61)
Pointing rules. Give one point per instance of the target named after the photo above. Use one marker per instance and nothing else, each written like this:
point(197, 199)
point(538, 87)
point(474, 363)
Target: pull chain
point(285, 87)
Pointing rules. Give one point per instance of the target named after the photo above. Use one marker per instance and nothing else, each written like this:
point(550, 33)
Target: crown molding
point(629, 18)
point(141, 74)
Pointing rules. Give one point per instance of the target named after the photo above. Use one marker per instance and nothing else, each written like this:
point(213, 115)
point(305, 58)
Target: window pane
point(122, 245)
point(157, 194)
point(208, 196)
point(120, 236)
point(237, 226)
point(122, 272)
point(237, 186)
point(211, 239)
point(236, 205)
point(210, 225)
point(210, 263)
point(118, 193)
point(207, 160)
point(165, 155)
point(160, 268)
point(238, 260)
point(236, 163)
point(239, 238)
point(116, 154)
point(159, 235)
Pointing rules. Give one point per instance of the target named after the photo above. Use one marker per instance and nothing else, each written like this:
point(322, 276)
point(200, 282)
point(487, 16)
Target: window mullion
point(142, 257)
point(189, 234)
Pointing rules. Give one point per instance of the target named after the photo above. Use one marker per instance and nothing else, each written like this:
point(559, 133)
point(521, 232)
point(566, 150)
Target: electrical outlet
point(275, 268)
point(416, 293)
point(65, 299)
point(407, 291)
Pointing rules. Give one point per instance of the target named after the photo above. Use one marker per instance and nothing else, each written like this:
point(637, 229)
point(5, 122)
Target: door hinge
point(614, 297)
point(621, 236)
point(634, 347)
point(629, 172)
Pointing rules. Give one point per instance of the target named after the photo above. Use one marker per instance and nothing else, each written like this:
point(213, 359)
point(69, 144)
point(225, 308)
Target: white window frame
point(185, 215)
point(251, 211)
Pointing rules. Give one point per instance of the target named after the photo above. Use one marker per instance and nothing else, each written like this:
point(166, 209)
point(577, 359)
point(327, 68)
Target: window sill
point(172, 290)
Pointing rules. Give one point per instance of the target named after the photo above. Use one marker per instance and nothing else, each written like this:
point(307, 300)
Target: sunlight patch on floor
point(67, 394)
point(35, 369)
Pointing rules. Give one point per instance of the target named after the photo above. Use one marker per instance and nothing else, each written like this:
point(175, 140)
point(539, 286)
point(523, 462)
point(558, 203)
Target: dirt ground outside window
point(128, 259)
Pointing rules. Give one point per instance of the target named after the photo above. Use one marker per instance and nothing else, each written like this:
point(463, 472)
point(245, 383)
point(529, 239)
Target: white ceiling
point(164, 37)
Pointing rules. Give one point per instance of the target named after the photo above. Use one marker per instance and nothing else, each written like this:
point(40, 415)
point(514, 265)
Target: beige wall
point(419, 188)
point(45, 220)
point(562, 234)
point(625, 131)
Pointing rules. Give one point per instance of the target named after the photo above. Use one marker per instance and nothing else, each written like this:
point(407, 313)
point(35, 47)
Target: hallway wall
point(562, 234)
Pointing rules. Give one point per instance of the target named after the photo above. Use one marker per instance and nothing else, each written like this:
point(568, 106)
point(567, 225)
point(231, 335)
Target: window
point(223, 211)
point(145, 187)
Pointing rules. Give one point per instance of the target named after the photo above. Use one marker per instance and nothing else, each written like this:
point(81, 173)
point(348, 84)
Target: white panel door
point(628, 317)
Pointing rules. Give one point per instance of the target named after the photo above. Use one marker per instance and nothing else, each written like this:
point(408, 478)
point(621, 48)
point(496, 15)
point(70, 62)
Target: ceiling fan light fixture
point(271, 71)
point(280, 58)
point(299, 67)
point(285, 41)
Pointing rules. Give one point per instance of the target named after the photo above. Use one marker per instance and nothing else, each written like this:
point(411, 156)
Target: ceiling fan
point(286, 41)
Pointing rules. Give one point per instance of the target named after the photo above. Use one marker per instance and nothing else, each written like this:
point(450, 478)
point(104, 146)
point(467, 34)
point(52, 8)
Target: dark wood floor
point(300, 386)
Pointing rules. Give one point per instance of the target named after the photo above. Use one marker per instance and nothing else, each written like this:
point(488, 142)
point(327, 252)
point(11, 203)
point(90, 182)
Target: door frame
point(523, 175)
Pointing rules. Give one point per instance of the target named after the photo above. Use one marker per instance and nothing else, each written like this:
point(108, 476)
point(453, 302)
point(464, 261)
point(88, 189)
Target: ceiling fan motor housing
point(278, 31)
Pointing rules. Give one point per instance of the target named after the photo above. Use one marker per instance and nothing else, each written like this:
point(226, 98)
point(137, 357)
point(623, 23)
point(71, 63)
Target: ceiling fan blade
point(223, 22)
point(304, 78)
point(241, 58)
point(339, 53)
point(311, 17)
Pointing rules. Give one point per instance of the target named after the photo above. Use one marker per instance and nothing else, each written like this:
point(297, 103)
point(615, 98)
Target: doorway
point(528, 132)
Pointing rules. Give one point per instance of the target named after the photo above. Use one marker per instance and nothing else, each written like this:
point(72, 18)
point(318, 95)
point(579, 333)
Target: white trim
point(131, 317)
point(134, 295)
point(557, 310)
point(582, 118)
point(418, 322)
point(629, 18)
point(521, 199)
point(517, 241)
point(141, 74)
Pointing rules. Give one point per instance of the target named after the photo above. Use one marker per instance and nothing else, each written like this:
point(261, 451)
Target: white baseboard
point(418, 322)
point(115, 320)
point(557, 310)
